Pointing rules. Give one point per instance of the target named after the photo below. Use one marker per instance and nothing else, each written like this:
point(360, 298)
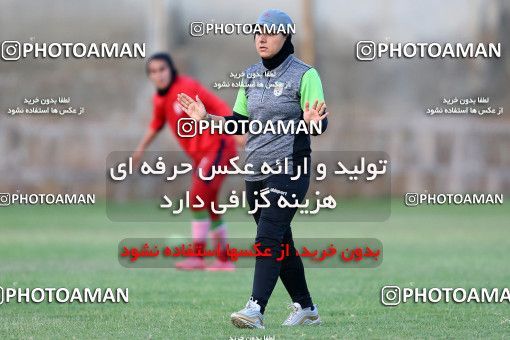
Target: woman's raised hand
point(194, 109)
point(316, 113)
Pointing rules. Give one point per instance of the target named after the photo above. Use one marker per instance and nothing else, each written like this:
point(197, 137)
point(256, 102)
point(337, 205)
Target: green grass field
point(423, 247)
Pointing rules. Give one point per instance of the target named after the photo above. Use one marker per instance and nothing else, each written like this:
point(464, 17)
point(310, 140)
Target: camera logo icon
point(186, 127)
point(390, 295)
point(197, 29)
point(5, 199)
point(365, 50)
point(11, 50)
point(411, 199)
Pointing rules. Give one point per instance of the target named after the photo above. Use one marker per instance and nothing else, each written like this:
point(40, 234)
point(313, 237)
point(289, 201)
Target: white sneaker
point(300, 316)
point(249, 317)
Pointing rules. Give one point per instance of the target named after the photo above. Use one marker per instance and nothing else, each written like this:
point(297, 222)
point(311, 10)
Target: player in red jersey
point(205, 150)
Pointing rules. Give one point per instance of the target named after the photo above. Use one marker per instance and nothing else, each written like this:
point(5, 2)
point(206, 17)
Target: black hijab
point(173, 71)
point(275, 61)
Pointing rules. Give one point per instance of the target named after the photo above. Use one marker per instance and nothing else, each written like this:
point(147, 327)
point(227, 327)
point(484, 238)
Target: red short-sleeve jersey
point(166, 109)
